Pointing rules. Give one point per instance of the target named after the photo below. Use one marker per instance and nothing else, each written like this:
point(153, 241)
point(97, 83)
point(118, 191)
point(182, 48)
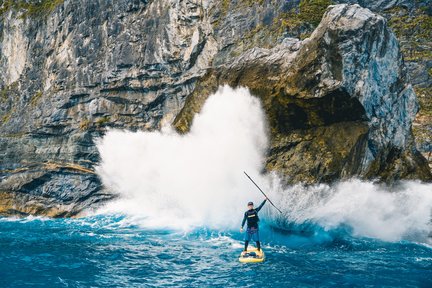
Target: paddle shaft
point(262, 191)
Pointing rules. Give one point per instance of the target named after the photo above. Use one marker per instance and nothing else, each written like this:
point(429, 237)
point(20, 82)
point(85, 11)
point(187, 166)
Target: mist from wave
point(183, 181)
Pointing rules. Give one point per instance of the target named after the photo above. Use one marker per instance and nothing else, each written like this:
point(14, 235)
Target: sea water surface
point(111, 251)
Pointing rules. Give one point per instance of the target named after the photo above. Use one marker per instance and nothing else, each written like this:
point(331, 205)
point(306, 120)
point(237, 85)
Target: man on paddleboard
point(252, 231)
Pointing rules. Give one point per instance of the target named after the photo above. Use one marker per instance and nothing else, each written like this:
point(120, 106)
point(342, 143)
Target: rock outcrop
point(411, 21)
point(339, 102)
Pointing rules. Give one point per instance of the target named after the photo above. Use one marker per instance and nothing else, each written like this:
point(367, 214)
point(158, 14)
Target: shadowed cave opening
point(291, 113)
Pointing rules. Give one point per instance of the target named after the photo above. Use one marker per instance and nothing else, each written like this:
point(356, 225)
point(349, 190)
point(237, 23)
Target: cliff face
point(87, 66)
point(411, 21)
point(339, 103)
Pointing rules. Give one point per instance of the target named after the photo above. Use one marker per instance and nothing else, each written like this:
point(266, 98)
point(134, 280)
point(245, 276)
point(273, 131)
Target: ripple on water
point(104, 251)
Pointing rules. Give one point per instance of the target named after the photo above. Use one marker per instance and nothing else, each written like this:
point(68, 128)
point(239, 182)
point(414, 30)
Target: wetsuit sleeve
point(244, 220)
point(262, 204)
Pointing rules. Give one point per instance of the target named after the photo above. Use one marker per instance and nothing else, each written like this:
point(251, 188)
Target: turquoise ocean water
point(111, 251)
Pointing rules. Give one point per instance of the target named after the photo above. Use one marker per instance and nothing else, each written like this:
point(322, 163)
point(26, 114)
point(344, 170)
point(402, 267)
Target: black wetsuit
point(252, 219)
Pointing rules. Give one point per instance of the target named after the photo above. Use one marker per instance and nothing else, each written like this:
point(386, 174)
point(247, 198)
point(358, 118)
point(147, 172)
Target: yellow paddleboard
point(252, 255)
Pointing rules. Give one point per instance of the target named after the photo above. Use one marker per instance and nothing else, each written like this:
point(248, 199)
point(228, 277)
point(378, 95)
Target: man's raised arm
point(262, 204)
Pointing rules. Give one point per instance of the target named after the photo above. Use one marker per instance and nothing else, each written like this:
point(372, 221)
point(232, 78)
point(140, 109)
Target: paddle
point(262, 192)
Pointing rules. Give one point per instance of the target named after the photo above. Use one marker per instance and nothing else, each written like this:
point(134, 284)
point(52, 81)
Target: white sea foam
point(173, 180)
point(181, 181)
point(369, 209)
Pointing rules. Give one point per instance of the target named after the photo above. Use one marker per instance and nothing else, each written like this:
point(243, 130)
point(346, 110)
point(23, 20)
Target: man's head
point(250, 205)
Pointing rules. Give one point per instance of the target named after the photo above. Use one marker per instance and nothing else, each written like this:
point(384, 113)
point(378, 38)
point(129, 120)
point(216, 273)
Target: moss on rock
point(422, 126)
point(32, 8)
point(303, 19)
point(414, 30)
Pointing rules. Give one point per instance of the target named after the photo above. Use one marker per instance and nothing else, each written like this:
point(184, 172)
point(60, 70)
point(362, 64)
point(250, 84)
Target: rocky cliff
point(339, 102)
point(412, 23)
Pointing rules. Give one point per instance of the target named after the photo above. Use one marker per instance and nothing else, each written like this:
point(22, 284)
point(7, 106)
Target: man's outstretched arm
point(262, 204)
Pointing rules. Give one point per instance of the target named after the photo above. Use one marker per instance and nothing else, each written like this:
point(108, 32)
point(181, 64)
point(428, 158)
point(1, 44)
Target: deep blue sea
point(110, 251)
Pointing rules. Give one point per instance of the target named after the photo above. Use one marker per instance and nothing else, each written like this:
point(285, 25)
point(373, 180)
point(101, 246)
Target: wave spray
point(174, 180)
point(181, 181)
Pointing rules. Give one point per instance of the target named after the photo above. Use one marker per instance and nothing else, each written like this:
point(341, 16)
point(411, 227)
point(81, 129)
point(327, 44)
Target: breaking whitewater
point(184, 181)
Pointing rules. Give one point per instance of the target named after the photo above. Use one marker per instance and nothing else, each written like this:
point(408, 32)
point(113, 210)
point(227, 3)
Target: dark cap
point(250, 203)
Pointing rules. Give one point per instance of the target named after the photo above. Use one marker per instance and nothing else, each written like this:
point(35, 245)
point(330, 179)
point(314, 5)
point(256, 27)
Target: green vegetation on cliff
point(32, 8)
point(36, 97)
point(311, 11)
point(422, 127)
point(6, 110)
point(4, 94)
point(6, 90)
point(226, 4)
point(414, 30)
point(302, 20)
point(101, 122)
